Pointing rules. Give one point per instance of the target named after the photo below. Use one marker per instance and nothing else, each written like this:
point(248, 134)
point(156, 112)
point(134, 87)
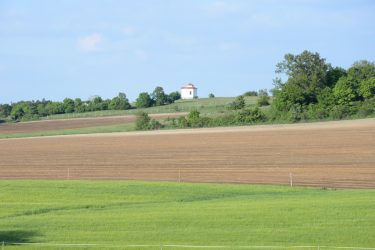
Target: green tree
point(143, 101)
point(250, 93)
point(18, 111)
point(5, 110)
point(158, 96)
point(54, 108)
point(346, 91)
point(362, 70)
point(211, 95)
point(79, 106)
point(68, 105)
point(334, 74)
point(367, 88)
point(119, 102)
point(307, 74)
point(174, 96)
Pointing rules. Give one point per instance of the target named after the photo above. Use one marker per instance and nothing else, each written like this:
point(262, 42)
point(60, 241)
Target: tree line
point(314, 89)
point(32, 110)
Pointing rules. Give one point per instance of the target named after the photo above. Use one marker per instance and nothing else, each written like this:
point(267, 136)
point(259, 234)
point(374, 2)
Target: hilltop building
point(189, 91)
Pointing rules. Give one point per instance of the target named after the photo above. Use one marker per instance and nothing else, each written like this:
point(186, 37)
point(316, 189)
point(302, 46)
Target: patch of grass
point(119, 213)
point(89, 130)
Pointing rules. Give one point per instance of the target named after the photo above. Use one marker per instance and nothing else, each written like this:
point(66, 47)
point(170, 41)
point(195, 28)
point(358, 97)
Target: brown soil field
point(331, 154)
point(48, 125)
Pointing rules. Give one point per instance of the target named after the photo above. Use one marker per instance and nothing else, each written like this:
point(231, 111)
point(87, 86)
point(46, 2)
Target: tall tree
point(119, 102)
point(144, 100)
point(307, 74)
point(158, 96)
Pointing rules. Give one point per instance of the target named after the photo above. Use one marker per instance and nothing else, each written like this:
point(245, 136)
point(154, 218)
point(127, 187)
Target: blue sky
point(75, 48)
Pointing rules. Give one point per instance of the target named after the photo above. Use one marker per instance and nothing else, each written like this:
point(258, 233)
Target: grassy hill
point(116, 214)
point(207, 106)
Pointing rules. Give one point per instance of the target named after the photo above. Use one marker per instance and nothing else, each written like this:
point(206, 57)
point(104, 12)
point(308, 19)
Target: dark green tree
point(79, 106)
point(5, 110)
point(119, 102)
point(159, 97)
point(143, 101)
point(174, 96)
point(18, 111)
point(334, 74)
point(307, 75)
point(68, 105)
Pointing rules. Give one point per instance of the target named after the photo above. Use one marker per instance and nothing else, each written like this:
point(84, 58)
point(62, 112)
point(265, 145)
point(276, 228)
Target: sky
point(80, 48)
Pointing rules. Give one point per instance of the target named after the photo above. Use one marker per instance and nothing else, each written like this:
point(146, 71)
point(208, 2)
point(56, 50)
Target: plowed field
point(330, 154)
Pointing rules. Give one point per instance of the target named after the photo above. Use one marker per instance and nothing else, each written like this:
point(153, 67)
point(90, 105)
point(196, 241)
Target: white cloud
point(90, 43)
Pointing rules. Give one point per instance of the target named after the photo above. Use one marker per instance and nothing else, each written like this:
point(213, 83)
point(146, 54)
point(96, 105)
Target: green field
point(75, 131)
point(116, 214)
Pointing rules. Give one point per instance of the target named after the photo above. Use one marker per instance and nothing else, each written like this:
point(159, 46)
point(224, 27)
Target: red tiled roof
point(188, 86)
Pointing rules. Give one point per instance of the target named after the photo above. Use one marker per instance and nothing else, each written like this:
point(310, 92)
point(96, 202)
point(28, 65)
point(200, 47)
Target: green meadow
point(128, 214)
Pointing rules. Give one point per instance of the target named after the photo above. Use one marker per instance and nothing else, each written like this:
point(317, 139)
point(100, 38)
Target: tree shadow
point(17, 236)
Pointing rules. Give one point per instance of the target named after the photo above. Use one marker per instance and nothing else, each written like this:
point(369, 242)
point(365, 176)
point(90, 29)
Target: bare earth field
point(329, 154)
point(48, 125)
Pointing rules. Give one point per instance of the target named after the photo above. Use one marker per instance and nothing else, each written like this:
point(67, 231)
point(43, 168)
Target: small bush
point(251, 115)
point(263, 99)
point(250, 93)
point(144, 122)
point(238, 103)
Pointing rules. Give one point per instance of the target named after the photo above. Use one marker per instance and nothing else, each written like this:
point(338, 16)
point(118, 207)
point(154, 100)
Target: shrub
point(250, 115)
point(144, 122)
point(263, 99)
point(339, 111)
point(250, 93)
point(238, 103)
point(367, 108)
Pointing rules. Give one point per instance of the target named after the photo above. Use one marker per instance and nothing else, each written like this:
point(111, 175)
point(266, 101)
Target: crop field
point(329, 154)
point(51, 125)
point(62, 214)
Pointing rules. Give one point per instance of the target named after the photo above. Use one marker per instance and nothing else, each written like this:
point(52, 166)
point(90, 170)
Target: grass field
point(87, 130)
point(121, 213)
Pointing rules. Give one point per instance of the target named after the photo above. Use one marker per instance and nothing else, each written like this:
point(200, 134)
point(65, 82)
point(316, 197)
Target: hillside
point(114, 120)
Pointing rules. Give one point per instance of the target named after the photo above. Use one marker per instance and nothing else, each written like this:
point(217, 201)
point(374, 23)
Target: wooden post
point(2, 245)
point(68, 173)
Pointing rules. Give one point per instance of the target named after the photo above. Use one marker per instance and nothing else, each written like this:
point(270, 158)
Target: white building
point(189, 91)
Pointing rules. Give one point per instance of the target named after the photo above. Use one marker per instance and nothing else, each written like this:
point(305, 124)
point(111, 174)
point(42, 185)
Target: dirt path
point(331, 154)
